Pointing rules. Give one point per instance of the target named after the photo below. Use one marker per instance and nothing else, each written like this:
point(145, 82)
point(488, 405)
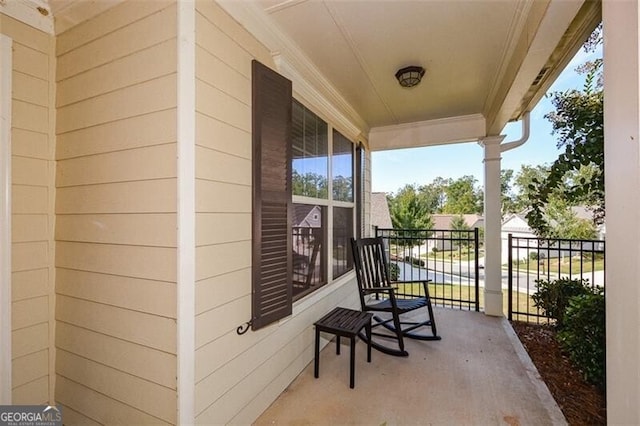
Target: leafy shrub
point(533, 255)
point(552, 297)
point(583, 334)
point(394, 271)
point(414, 261)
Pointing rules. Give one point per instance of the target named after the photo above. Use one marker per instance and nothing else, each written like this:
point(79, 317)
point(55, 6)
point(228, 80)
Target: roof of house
point(443, 221)
point(380, 216)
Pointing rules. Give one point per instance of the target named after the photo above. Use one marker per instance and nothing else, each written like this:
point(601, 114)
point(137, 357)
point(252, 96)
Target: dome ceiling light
point(410, 76)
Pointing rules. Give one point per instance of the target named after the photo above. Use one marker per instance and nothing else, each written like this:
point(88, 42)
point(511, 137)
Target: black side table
point(348, 323)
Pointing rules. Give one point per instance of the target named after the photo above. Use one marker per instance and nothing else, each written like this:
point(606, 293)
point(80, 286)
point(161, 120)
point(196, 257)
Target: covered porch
point(479, 373)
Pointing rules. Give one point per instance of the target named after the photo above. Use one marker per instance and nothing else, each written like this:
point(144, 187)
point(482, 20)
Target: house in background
point(380, 216)
point(145, 161)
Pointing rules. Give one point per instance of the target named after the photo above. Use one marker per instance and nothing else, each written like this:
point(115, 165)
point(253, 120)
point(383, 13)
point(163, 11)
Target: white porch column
point(622, 177)
point(492, 226)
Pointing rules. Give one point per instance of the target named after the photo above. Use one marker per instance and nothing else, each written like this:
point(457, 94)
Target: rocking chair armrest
point(379, 290)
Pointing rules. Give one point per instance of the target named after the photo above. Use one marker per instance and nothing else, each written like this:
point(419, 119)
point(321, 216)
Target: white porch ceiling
point(487, 61)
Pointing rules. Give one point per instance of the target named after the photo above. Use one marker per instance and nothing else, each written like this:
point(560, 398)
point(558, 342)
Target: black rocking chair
point(379, 294)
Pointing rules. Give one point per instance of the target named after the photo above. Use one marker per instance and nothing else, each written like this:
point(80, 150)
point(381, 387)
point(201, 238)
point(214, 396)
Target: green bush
point(533, 255)
point(394, 271)
point(414, 261)
point(583, 334)
point(552, 297)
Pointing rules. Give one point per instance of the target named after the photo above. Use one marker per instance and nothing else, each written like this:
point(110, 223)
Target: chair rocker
point(379, 294)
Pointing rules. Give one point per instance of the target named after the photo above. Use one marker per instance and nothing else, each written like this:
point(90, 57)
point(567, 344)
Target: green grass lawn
point(522, 302)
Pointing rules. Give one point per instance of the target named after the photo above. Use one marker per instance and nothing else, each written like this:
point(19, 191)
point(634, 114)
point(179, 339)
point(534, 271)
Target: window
point(303, 199)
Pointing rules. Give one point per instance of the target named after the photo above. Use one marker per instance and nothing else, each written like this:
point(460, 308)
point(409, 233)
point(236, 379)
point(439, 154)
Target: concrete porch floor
point(478, 374)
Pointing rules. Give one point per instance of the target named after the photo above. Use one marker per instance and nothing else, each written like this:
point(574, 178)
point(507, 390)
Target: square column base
point(493, 303)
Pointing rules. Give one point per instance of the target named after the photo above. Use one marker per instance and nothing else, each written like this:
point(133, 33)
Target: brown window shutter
point(272, 244)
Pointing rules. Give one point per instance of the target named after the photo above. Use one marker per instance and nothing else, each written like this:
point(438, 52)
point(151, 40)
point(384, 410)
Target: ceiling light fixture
point(410, 76)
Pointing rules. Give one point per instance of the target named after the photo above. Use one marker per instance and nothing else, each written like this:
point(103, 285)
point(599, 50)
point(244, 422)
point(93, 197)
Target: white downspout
point(526, 125)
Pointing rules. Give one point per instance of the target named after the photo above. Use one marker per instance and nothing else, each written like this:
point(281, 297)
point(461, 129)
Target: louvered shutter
point(272, 245)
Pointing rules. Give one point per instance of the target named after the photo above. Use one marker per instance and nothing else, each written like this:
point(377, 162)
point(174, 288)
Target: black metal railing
point(449, 258)
point(530, 260)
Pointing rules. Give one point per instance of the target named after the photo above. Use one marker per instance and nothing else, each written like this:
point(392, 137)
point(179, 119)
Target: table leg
point(368, 332)
point(316, 364)
point(337, 345)
point(352, 363)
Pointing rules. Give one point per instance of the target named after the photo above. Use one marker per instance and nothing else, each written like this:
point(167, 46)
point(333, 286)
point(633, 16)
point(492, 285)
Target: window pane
point(309, 153)
point(342, 165)
point(309, 232)
point(342, 233)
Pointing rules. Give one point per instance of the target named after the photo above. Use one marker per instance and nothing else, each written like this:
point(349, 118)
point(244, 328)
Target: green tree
point(463, 197)
point(578, 122)
point(434, 194)
point(563, 222)
point(310, 185)
point(408, 210)
point(509, 204)
point(526, 190)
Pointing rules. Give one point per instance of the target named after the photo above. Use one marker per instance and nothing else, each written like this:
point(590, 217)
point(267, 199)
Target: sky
point(393, 169)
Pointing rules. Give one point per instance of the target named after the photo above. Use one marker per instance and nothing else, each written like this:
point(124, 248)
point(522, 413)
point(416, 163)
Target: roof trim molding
point(294, 64)
point(35, 13)
point(465, 128)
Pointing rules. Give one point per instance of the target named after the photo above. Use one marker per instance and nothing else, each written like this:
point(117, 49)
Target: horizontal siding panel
point(142, 34)
point(77, 12)
point(29, 199)
point(152, 297)
point(146, 396)
point(29, 340)
point(216, 291)
point(156, 61)
point(27, 284)
point(219, 105)
point(29, 227)
point(108, 21)
point(137, 327)
point(222, 258)
point(29, 171)
point(217, 43)
point(133, 132)
point(139, 229)
point(30, 61)
point(217, 228)
point(29, 312)
point(222, 197)
point(30, 89)
point(154, 162)
point(245, 40)
point(215, 134)
point(32, 393)
point(26, 143)
point(220, 75)
point(153, 263)
point(154, 196)
point(99, 407)
point(229, 387)
point(29, 116)
point(149, 364)
point(212, 324)
point(32, 255)
point(209, 357)
point(154, 95)
point(24, 34)
point(72, 417)
point(221, 167)
point(29, 368)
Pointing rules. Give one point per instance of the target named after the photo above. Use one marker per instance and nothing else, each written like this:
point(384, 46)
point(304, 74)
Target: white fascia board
point(557, 19)
point(465, 128)
point(308, 81)
point(27, 11)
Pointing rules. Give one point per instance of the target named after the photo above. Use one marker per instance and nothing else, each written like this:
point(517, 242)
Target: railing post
point(476, 237)
point(510, 278)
